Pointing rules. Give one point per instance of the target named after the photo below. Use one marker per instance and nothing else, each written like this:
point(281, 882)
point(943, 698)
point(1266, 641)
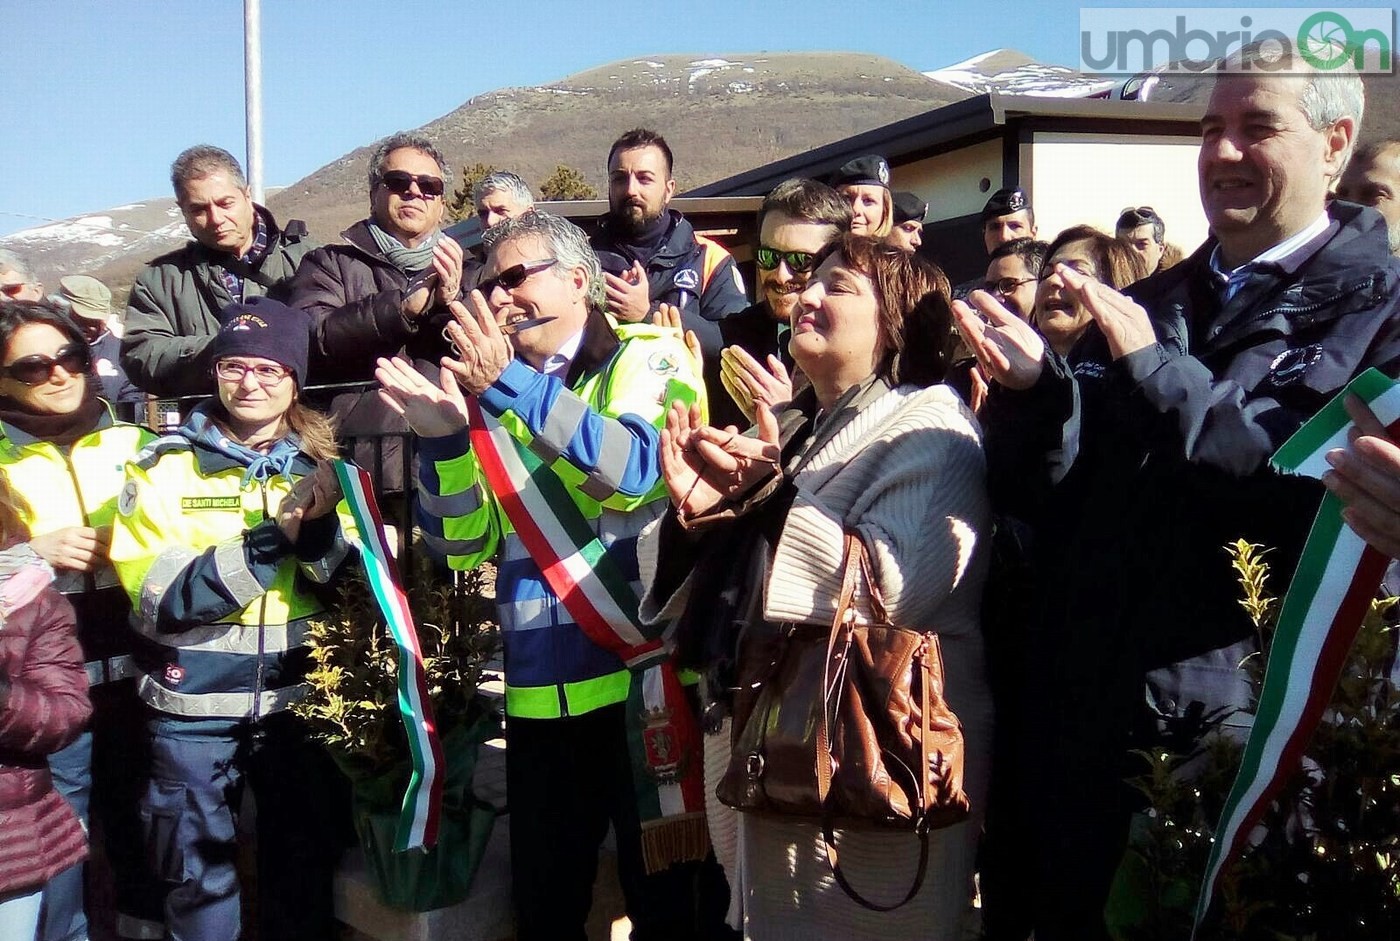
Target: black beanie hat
point(263, 327)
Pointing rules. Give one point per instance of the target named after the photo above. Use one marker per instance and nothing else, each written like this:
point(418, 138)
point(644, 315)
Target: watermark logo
point(1127, 41)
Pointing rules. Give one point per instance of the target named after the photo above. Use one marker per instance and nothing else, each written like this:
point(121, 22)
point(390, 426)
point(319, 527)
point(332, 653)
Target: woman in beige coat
point(877, 446)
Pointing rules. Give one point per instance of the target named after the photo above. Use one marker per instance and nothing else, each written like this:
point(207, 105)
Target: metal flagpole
point(252, 84)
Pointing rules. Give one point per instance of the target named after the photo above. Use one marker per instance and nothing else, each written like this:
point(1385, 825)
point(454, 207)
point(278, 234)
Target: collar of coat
point(275, 237)
point(1350, 268)
point(212, 459)
point(802, 432)
point(598, 345)
point(13, 438)
point(675, 248)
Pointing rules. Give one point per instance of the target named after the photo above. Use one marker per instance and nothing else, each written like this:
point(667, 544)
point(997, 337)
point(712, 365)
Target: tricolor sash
point(1337, 577)
point(422, 801)
point(663, 736)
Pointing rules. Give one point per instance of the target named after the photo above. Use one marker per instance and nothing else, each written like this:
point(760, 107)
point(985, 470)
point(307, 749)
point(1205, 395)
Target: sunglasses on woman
point(400, 183)
point(769, 258)
point(35, 370)
point(514, 276)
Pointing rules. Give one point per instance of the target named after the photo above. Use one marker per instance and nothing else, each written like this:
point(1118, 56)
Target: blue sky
point(100, 95)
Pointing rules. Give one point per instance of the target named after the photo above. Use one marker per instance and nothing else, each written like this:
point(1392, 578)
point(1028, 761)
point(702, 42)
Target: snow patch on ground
point(699, 68)
point(1045, 81)
point(96, 230)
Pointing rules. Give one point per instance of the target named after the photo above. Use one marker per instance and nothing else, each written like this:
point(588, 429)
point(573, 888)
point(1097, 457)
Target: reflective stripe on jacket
point(78, 486)
point(600, 436)
point(221, 598)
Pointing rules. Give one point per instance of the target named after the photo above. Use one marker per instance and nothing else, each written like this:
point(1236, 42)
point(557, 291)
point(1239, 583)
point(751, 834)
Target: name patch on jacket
point(211, 503)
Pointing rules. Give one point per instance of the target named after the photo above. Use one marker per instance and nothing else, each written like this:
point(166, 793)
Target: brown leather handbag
point(848, 725)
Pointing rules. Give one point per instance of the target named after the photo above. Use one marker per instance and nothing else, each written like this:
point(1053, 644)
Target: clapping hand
point(483, 349)
point(447, 264)
point(750, 384)
point(669, 315)
point(311, 497)
point(629, 295)
point(323, 492)
point(704, 465)
point(1124, 323)
point(442, 284)
point(432, 411)
point(1007, 348)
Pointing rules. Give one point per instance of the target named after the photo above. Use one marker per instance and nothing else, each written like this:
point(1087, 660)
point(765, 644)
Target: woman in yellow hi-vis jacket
point(62, 452)
point(226, 536)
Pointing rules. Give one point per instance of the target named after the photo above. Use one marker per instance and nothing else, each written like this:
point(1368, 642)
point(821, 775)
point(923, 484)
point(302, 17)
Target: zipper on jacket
point(1318, 305)
point(89, 579)
point(259, 675)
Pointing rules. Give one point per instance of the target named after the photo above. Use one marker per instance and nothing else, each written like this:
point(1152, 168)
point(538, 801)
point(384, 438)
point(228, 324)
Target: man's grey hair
point(9, 261)
point(203, 160)
point(503, 181)
point(404, 140)
point(1326, 97)
point(566, 243)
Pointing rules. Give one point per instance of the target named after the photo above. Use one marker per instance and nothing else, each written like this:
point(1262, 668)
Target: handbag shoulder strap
point(833, 683)
point(833, 862)
point(877, 598)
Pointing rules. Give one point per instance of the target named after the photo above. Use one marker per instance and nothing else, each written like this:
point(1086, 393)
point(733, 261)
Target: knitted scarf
point(61, 430)
point(261, 466)
point(408, 260)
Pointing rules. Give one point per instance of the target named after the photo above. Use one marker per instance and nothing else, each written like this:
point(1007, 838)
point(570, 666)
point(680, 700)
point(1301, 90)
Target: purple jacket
point(43, 706)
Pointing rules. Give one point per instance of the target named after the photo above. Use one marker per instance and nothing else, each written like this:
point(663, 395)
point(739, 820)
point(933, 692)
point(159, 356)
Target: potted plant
point(353, 711)
point(1324, 863)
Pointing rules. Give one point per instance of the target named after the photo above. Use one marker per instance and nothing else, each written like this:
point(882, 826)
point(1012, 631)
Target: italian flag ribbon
point(663, 735)
point(422, 801)
point(1337, 577)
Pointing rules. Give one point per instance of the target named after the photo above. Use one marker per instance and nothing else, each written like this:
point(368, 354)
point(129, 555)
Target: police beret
point(908, 207)
point(870, 170)
point(1004, 202)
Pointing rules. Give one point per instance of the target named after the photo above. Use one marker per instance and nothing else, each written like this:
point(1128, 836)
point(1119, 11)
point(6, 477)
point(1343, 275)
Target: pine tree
point(566, 183)
point(459, 204)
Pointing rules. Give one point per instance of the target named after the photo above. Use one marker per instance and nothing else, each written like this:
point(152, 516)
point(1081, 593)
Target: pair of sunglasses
point(769, 258)
point(34, 370)
point(1140, 214)
point(514, 276)
point(13, 288)
point(400, 183)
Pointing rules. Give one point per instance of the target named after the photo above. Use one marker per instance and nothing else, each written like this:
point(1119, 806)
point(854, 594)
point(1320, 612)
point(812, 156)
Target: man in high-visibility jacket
point(563, 444)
